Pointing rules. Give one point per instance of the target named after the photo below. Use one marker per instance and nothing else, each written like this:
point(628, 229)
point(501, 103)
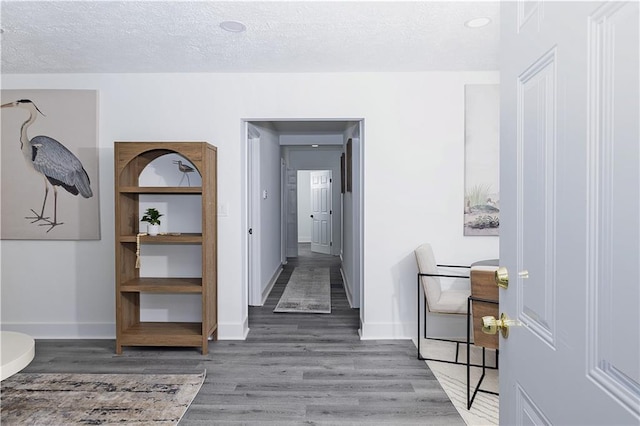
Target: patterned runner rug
point(97, 399)
point(308, 291)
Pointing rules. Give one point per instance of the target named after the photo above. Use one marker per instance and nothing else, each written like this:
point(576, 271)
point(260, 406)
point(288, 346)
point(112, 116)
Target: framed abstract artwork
point(482, 159)
point(50, 165)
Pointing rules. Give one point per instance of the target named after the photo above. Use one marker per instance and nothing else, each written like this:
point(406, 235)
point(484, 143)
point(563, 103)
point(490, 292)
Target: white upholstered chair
point(438, 300)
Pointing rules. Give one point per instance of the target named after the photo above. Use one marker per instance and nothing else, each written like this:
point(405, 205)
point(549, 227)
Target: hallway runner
point(308, 291)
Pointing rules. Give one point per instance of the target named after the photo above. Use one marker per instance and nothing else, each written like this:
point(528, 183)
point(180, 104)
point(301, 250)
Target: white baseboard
point(228, 331)
point(347, 288)
point(438, 326)
point(233, 331)
point(272, 282)
point(64, 330)
point(390, 331)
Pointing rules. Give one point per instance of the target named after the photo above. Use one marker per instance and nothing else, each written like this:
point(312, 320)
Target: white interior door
point(570, 182)
point(321, 211)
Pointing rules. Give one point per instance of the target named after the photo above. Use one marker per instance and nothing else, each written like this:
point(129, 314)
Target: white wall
point(412, 190)
point(304, 206)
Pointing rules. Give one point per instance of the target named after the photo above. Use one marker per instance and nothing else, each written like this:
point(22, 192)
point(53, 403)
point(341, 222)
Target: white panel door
point(570, 182)
point(321, 211)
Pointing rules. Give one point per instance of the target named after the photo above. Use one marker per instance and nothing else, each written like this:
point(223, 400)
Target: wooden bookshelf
point(130, 159)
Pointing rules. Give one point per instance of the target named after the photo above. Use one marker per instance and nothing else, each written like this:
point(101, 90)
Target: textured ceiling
point(281, 36)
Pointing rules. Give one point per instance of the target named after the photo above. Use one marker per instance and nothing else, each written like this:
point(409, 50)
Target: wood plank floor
point(292, 369)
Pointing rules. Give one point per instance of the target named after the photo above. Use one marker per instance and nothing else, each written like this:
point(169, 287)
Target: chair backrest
point(427, 265)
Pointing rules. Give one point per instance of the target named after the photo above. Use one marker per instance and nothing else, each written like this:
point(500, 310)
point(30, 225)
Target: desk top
point(488, 262)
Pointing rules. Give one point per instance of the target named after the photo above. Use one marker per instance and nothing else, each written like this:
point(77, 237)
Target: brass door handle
point(491, 325)
point(502, 276)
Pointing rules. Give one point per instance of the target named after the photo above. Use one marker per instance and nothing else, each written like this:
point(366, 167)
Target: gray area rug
point(308, 291)
point(97, 399)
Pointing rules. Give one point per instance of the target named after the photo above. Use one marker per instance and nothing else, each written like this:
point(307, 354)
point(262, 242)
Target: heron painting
point(57, 140)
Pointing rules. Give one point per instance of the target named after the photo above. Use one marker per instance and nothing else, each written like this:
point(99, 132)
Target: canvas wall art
point(49, 165)
point(482, 159)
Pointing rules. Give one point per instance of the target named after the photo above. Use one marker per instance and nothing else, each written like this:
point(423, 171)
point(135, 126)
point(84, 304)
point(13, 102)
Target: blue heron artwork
point(49, 186)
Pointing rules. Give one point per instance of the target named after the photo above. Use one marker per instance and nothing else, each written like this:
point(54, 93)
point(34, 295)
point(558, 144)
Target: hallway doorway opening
point(275, 151)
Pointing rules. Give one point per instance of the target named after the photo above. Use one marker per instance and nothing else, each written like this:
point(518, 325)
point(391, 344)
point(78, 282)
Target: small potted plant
point(152, 216)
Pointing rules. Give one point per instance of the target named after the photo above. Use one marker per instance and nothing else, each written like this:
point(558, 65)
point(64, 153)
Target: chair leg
point(425, 325)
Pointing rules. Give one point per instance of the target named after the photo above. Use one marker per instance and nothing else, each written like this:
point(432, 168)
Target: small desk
point(16, 352)
point(482, 302)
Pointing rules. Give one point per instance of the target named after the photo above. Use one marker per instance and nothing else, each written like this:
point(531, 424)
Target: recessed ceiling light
point(233, 26)
point(315, 145)
point(478, 22)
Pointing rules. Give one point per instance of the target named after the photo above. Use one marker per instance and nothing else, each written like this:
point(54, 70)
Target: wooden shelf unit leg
point(129, 315)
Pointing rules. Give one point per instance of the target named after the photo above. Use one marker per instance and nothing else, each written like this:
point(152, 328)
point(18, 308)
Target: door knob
point(502, 277)
point(491, 325)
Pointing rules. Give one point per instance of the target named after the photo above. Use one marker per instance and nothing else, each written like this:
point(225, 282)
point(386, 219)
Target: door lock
point(491, 325)
point(502, 276)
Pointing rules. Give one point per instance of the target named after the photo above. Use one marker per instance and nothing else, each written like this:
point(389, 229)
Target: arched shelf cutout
point(171, 169)
point(140, 159)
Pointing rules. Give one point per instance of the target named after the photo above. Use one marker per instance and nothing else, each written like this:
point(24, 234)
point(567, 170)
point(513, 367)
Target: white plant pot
point(153, 229)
